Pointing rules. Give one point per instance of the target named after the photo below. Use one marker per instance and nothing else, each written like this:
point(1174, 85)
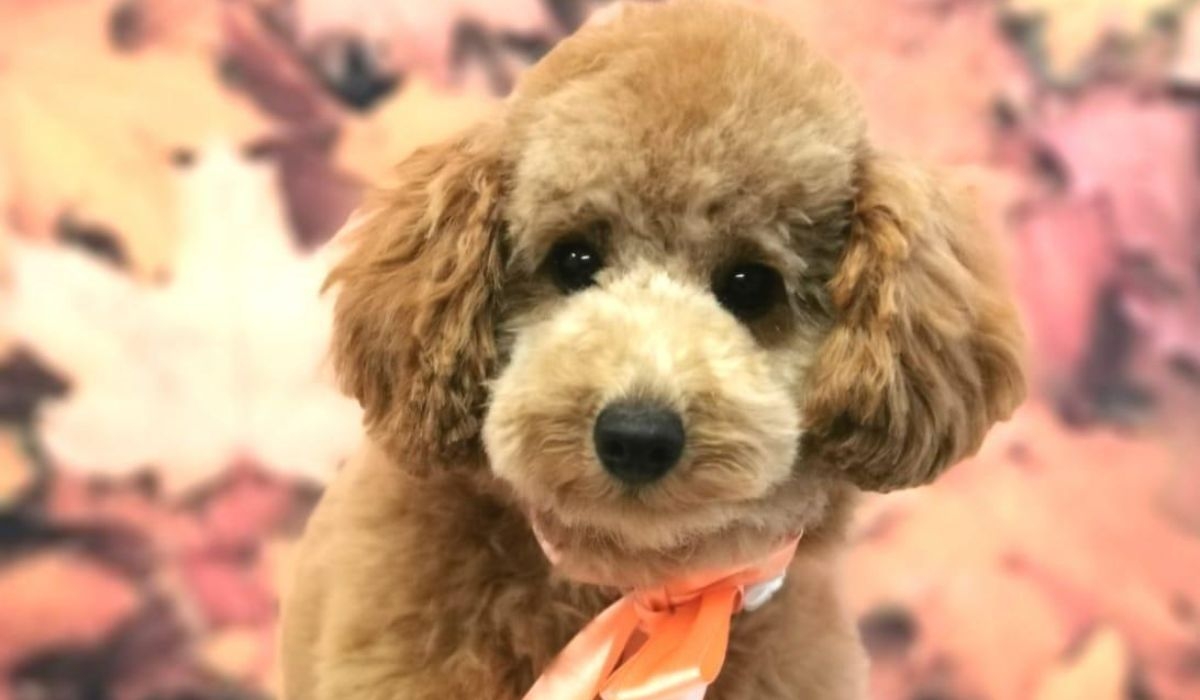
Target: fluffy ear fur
point(417, 294)
point(925, 353)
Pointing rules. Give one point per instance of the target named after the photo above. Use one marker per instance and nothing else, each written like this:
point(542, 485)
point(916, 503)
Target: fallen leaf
point(134, 25)
point(16, 473)
point(1137, 154)
point(240, 653)
point(932, 75)
point(131, 506)
point(247, 507)
point(1064, 252)
point(24, 384)
point(148, 656)
point(226, 359)
point(1012, 545)
point(419, 115)
point(1100, 672)
point(1071, 31)
point(278, 558)
point(1133, 159)
point(58, 24)
point(219, 566)
point(228, 591)
point(1186, 69)
point(262, 64)
point(87, 132)
point(53, 599)
point(419, 36)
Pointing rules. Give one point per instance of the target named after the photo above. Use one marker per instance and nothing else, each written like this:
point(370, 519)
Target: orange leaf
point(1044, 535)
point(87, 131)
point(417, 116)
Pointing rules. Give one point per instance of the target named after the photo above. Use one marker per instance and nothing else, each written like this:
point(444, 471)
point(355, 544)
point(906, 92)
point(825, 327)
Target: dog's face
point(676, 299)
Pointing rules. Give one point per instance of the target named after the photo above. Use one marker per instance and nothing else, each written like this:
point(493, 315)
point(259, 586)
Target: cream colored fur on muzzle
point(646, 336)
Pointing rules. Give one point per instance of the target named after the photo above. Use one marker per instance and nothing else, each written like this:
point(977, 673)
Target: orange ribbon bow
point(683, 631)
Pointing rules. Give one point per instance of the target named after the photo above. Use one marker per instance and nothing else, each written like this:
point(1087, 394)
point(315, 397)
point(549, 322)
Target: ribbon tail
point(579, 670)
point(683, 656)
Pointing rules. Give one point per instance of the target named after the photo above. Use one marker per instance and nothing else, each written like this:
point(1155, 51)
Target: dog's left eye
point(749, 290)
point(574, 264)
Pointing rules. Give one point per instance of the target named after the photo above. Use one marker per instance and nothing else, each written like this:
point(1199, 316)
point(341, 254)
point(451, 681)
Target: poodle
point(665, 310)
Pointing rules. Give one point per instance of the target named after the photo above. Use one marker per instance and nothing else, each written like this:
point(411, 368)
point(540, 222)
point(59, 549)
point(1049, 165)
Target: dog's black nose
point(638, 443)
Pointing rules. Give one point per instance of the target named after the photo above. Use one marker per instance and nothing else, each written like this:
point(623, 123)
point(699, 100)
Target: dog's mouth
point(594, 529)
point(595, 554)
point(706, 511)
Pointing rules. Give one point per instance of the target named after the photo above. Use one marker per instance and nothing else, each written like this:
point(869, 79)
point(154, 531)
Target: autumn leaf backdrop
point(170, 168)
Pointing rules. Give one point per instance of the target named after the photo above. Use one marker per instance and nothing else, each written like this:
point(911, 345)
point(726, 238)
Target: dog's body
point(415, 588)
point(669, 309)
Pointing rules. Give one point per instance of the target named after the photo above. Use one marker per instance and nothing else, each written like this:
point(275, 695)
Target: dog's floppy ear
point(413, 336)
point(925, 354)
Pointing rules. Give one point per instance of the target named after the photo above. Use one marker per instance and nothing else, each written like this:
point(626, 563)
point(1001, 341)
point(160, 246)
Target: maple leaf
point(1128, 160)
point(430, 39)
point(430, 23)
point(1065, 252)
point(220, 554)
point(244, 653)
point(264, 65)
point(23, 383)
point(16, 473)
point(228, 592)
point(226, 359)
point(54, 598)
point(86, 131)
point(1135, 153)
point(245, 508)
point(1070, 32)
point(1023, 543)
point(120, 25)
point(1100, 672)
point(209, 548)
point(420, 114)
point(134, 25)
point(1186, 69)
point(931, 76)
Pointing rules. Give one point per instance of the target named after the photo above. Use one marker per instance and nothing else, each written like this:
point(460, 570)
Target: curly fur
point(925, 356)
point(679, 139)
point(413, 330)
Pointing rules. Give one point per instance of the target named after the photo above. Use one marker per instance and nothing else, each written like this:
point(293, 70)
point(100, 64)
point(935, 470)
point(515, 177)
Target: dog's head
point(674, 299)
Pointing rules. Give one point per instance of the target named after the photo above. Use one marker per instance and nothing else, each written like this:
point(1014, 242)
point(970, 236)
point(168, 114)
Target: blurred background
point(170, 168)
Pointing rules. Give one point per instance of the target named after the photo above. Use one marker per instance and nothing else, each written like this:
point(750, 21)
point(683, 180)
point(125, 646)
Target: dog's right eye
point(749, 291)
point(574, 264)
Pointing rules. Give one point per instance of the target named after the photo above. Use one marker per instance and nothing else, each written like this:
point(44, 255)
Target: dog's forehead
point(677, 110)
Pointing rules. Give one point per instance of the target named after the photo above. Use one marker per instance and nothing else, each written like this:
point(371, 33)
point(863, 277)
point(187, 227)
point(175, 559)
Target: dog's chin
point(616, 540)
point(592, 553)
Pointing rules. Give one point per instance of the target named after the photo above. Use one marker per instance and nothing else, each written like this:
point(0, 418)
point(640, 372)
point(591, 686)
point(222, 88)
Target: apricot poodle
point(668, 308)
